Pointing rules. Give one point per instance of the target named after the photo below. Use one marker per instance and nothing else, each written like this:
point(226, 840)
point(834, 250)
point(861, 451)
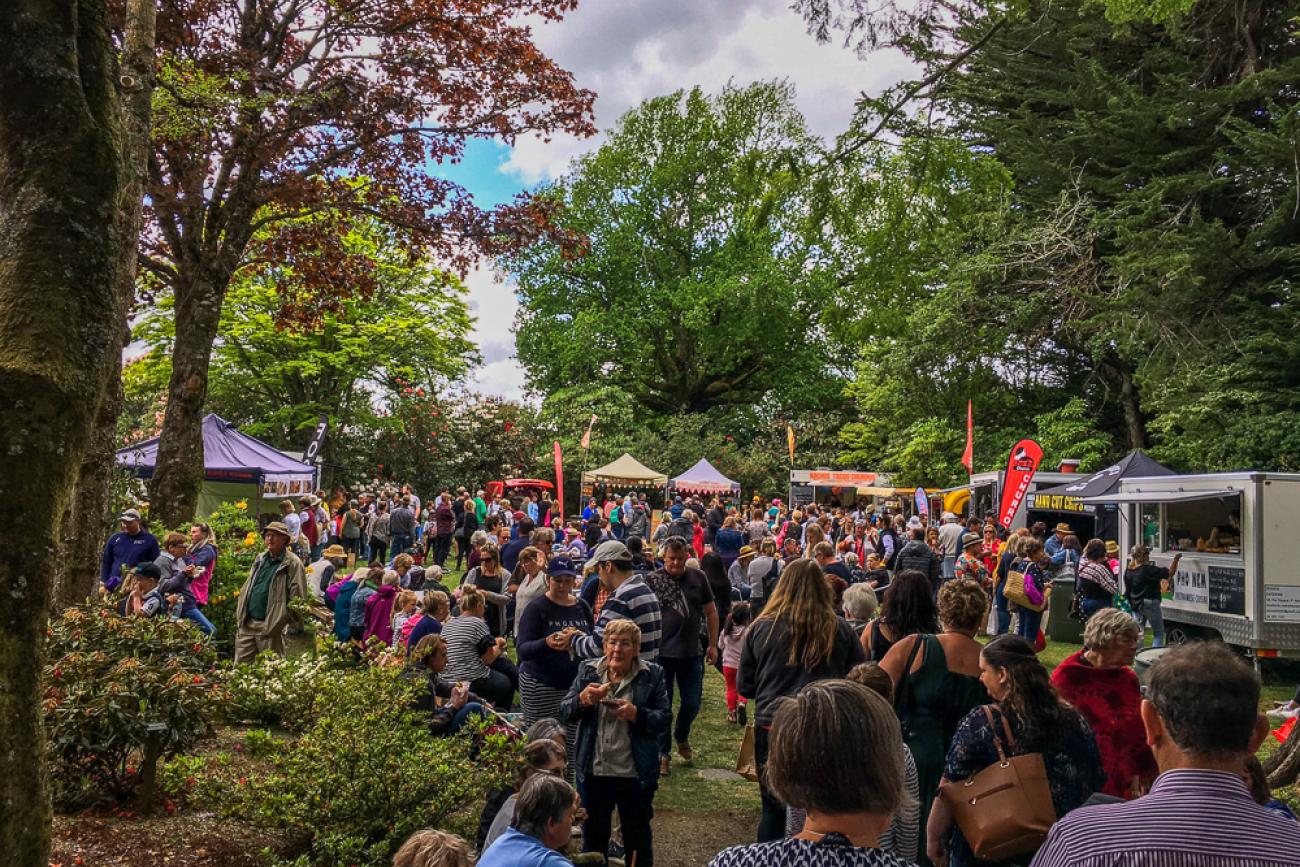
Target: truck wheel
point(1180, 634)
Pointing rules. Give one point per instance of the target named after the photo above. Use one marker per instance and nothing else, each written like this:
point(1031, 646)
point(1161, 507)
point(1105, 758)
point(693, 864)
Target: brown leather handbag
point(1006, 809)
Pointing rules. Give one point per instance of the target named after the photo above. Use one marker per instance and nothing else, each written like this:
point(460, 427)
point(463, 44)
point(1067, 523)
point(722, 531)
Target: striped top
point(467, 640)
point(635, 601)
point(1190, 818)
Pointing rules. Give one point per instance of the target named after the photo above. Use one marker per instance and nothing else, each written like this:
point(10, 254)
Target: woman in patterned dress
point(837, 753)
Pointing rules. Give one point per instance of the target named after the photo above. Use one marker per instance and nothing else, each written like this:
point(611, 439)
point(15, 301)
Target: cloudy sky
point(631, 50)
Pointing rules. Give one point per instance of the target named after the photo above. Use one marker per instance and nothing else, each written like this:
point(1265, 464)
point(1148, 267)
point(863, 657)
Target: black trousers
point(771, 822)
point(600, 795)
point(441, 548)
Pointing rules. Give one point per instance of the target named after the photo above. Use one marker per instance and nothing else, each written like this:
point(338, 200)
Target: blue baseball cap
point(561, 566)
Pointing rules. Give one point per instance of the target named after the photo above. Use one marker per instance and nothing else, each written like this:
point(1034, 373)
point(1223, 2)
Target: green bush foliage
point(107, 679)
point(363, 775)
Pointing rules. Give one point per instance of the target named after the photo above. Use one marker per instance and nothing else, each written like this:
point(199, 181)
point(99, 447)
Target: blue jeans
point(458, 719)
point(401, 541)
point(1092, 606)
point(204, 624)
point(1147, 612)
point(949, 568)
point(689, 675)
point(1000, 605)
point(1028, 625)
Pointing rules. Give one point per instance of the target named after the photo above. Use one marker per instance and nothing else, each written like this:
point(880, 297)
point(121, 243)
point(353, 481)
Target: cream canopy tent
point(627, 471)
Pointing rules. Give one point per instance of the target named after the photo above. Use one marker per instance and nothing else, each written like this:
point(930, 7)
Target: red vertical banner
point(968, 456)
point(1021, 466)
point(559, 478)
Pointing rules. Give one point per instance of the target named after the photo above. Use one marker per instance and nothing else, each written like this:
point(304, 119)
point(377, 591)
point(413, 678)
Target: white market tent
point(627, 471)
point(704, 478)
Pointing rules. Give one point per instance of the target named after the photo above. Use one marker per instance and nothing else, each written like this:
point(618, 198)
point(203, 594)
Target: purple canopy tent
point(704, 478)
point(236, 467)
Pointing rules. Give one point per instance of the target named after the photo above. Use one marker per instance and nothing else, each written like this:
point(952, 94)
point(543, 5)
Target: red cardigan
point(1109, 700)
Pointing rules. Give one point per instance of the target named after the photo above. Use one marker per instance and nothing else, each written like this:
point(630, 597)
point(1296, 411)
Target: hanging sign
point(317, 440)
point(1021, 466)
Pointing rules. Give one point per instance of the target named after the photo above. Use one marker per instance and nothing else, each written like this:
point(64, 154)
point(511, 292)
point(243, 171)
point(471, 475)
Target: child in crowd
point(729, 642)
point(403, 610)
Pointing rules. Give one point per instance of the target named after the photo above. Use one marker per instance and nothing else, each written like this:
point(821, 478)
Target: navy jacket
point(654, 713)
point(126, 550)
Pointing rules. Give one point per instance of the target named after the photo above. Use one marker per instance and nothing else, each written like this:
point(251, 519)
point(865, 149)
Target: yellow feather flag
point(789, 438)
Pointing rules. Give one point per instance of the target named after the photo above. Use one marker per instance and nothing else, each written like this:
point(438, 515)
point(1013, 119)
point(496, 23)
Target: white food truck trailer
point(1239, 576)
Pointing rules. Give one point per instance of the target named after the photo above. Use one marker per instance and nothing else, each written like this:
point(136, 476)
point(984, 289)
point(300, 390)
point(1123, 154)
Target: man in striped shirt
point(629, 599)
point(1202, 720)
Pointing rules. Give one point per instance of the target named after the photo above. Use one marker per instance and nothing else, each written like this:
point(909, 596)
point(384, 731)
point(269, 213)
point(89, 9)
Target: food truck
point(1238, 579)
point(981, 497)
point(836, 487)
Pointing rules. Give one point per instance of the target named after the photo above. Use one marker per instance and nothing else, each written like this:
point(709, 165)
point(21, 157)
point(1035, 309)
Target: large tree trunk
point(178, 471)
point(88, 519)
point(62, 246)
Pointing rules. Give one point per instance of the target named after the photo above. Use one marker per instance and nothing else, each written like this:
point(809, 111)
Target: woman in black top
point(1144, 580)
point(797, 639)
point(907, 608)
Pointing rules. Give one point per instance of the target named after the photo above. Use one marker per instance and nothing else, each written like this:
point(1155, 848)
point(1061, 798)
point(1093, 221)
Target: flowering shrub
point(107, 679)
point(238, 545)
point(365, 774)
point(274, 690)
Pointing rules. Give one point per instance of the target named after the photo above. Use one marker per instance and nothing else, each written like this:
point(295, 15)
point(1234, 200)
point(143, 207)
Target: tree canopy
point(698, 287)
point(268, 112)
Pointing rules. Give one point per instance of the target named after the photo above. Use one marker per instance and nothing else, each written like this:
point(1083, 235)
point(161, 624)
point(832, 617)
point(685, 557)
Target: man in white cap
point(277, 575)
point(129, 548)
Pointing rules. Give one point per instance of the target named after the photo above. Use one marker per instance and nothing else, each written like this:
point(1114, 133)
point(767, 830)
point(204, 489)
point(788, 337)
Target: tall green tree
point(699, 287)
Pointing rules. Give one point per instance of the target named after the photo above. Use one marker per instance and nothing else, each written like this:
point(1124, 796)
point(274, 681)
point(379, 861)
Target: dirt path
point(683, 839)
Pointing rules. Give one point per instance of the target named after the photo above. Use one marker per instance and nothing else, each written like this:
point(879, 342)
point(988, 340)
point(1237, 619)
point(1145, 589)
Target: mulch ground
point(133, 841)
point(691, 839)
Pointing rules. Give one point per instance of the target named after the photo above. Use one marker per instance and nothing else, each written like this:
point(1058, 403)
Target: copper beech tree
point(269, 110)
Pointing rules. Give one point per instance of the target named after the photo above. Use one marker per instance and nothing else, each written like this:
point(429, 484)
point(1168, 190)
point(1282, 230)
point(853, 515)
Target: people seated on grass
point(836, 752)
point(541, 827)
point(620, 702)
point(449, 703)
point(540, 757)
point(472, 650)
point(496, 797)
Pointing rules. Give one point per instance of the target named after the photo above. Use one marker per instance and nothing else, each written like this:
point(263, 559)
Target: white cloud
point(631, 52)
point(628, 52)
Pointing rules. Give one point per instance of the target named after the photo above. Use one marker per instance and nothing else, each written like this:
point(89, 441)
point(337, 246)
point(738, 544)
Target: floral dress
point(1074, 770)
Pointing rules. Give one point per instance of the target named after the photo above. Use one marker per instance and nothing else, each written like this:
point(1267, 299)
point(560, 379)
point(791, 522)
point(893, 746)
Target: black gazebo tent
point(1063, 502)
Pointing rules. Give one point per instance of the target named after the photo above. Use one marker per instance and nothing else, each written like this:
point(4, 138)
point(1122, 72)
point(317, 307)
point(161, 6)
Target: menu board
point(1227, 589)
point(800, 494)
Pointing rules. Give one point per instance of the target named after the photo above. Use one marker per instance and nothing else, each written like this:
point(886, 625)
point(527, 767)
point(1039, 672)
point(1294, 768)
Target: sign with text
point(922, 502)
point(1227, 589)
point(1022, 463)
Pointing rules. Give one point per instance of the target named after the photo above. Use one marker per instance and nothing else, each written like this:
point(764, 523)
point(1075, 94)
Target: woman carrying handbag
point(1033, 743)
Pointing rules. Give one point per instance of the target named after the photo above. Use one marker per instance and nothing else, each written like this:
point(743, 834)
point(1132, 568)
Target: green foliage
point(1068, 432)
point(274, 690)
point(358, 352)
point(699, 287)
point(107, 679)
point(238, 545)
point(363, 775)
point(437, 442)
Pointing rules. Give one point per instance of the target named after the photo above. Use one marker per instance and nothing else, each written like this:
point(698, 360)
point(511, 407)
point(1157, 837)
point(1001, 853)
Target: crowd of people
point(887, 665)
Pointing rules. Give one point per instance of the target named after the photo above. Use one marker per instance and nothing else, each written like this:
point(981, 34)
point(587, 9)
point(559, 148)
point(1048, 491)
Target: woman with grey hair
point(860, 606)
point(1100, 683)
